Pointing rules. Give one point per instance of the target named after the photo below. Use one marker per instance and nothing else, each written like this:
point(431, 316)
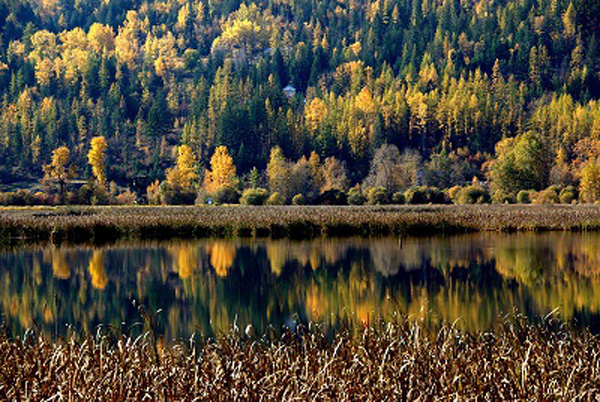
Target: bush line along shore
point(106, 224)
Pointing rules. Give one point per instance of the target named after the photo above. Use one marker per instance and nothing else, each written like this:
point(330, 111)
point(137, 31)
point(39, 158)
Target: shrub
point(41, 198)
point(524, 197)
point(356, 197)
point(254, 196)
point(153, 193)
point(568, 195)
point(436, 196)
point(500, 197)
point(332, 197)
point(171, 197)
point(377, 195)
point(398, 198)
point(84, 194)
point(416, 195)
point(127, 197)
point(298, 200)
point(227, 195)
point(473, 194)
point(100, 196)
point(453, 193)
point(547, 196)
point(18, 198)
point(275, 199)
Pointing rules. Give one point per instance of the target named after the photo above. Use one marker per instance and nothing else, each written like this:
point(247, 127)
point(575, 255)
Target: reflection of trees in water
point(97, 270)
point(222, 255)
point(186, 259)
point(204, 285)
point(60, 266)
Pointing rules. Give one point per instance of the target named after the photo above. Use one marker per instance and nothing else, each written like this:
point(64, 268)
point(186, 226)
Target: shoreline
point(104, 224)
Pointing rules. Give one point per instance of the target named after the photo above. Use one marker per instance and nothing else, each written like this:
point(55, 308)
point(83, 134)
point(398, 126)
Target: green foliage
point(254, 196)
point(425, 195)
point(547, 196)
point(589, 187)
point(522, 163)
point(568, 195)
point(275, 199)
point(356, 197)
point(169, 196)
point(473, 194)
point(524, 197)
point(332, 197)
point(389, 94)
point(417, 195)
point(398, 198)
point(227, 195)
point(298, 199)
point(377, 195)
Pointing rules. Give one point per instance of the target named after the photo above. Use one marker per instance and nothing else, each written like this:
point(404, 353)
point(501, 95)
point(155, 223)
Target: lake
point(203, 286)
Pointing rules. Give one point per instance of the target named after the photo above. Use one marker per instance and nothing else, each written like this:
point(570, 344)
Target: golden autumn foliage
point(183, 175)
point(314, 113)
point(96, 159)
point(58, 168)
point(222, 173)
point(590, 182)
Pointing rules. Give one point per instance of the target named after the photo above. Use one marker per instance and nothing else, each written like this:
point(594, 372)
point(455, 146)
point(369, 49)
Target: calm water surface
point(205, 285)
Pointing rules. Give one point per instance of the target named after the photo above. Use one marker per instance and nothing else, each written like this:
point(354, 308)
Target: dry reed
point(105, 224)
point(388, 360)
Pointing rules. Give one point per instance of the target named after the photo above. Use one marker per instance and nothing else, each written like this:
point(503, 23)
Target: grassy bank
point(105, 224)
point(401, 359)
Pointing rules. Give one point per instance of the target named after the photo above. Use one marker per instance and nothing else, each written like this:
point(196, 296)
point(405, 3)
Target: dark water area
point(204, 286)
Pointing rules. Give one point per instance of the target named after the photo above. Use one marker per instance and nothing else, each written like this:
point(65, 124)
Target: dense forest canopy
point(392, 93)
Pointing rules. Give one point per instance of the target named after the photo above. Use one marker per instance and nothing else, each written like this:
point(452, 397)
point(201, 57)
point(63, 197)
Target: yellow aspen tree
point(183, 175)
point(278, 172)
point(222, 173)
point(314, 113)
point(57, 169)
point(590, 182)
point(96, 158)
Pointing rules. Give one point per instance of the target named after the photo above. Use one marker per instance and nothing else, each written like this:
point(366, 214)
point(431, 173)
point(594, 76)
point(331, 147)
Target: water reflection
point(203, 286)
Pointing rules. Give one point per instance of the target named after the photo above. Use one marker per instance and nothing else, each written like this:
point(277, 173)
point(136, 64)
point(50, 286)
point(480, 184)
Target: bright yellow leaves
point(44, 72)
point(163, 52)
point(96, 158)
point(126, 42)
point(183, 175)
point(590, 182)
point(278, 172)
point(314, 113)
point(365, 102)
point(67, 54)
point(222, 173)
point(246, 30)
point(57, 169)
point(101, 38)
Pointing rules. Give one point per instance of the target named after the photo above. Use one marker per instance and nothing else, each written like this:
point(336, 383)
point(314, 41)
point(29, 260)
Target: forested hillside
point(305, 96)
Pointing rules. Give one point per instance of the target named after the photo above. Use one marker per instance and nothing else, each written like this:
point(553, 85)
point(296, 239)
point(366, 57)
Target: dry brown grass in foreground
point(102, 224)
point(387, 361)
